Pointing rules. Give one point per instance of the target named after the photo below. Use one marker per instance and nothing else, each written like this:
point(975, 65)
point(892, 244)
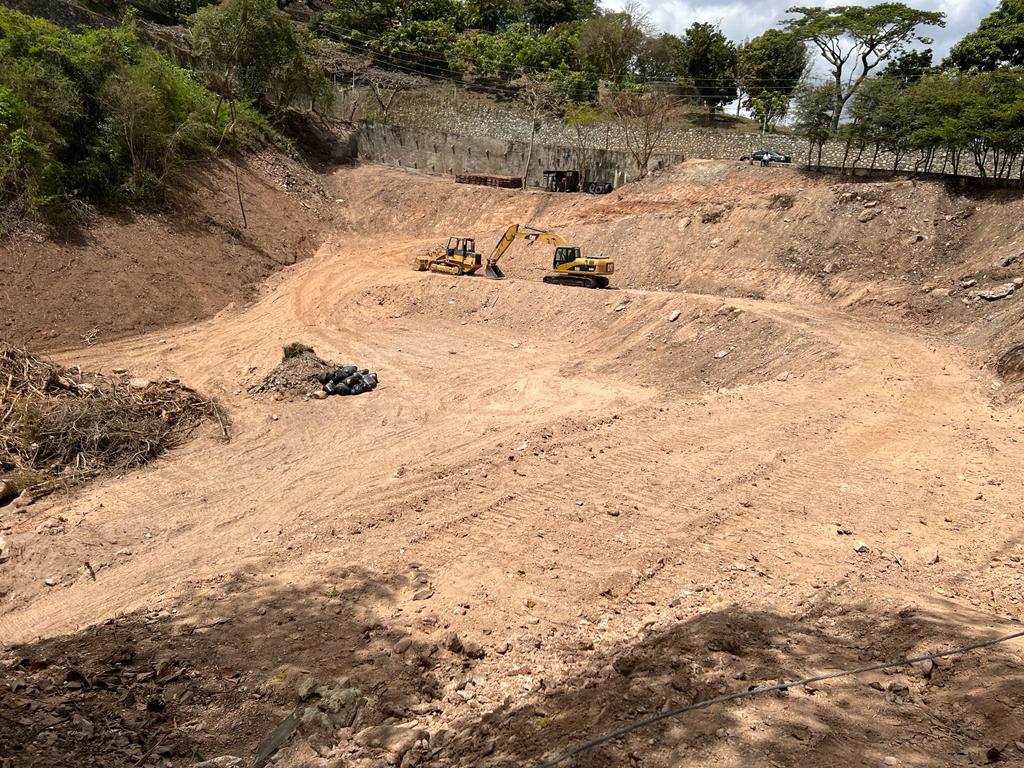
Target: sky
point(743, 19)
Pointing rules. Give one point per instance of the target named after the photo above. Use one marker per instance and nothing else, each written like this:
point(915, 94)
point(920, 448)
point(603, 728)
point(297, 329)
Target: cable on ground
point(637, 725)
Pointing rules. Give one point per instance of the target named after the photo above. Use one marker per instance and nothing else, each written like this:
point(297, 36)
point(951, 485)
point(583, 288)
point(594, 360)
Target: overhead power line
point(428, 65)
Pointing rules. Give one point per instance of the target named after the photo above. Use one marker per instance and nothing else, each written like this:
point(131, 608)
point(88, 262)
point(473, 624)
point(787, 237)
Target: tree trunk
point(839, 103)
point(853, 166)
point(529, 154)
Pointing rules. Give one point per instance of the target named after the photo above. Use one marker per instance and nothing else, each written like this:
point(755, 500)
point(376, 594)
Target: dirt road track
point(557, 468)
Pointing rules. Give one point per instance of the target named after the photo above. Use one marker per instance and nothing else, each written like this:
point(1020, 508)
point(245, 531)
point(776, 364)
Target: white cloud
point(740, 20)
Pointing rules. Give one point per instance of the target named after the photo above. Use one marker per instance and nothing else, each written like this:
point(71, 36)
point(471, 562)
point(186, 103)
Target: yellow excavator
point(569, 265)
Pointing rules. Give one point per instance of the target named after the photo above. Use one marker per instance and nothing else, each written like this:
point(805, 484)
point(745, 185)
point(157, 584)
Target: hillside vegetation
point(96, 117)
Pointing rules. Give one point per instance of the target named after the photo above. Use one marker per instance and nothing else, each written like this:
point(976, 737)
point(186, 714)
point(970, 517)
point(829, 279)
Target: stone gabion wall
point(455, 115)
point(447, 153)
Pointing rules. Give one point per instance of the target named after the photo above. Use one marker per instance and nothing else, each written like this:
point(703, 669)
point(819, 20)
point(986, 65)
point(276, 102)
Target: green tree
point(869, 36)
point(251, 50)
point(544, 14)
point(660, 58)
point(813, 105)
point(774, 61)
point(909, 67)
point(708, 61)
point(998, 41)
point(95, 117)
point(881, 118)
point(492, 15)
point(768, 108)
point(609, 43)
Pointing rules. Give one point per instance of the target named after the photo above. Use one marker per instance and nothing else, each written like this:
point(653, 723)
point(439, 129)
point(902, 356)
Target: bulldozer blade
point(493, 272)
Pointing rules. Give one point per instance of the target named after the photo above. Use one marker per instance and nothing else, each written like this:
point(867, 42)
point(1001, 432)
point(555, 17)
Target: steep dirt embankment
point(913, 252)
point(135, 272)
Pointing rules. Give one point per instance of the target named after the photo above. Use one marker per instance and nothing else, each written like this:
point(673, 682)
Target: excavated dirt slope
point(131, 272)
point(814, 466)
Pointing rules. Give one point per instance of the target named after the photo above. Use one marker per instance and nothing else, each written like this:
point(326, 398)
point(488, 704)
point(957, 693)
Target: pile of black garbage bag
point(347, 380)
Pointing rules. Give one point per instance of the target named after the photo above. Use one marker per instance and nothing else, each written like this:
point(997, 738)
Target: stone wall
point(448, 134)
point(452, 153)
point(506, 124)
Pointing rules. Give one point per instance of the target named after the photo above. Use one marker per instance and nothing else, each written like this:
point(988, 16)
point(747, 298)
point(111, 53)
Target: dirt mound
point(60, 426)
point(296, 374)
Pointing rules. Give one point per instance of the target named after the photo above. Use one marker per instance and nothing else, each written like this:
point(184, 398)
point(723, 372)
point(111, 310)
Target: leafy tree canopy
point(709, 62)
point(998, 41)
point(774, 61)
point(855, 40)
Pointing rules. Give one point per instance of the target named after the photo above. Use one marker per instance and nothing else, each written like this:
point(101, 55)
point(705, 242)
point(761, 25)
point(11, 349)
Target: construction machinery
point(569, 265)
point(459, 257)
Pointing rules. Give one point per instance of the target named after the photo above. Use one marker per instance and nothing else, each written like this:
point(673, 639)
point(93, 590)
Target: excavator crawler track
point(578, 281)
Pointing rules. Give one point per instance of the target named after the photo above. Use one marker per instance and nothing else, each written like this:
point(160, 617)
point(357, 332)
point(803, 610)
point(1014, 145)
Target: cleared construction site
point(783, 437)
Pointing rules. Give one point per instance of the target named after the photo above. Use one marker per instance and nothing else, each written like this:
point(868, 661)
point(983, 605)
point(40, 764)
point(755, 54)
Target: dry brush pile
point(59, 426)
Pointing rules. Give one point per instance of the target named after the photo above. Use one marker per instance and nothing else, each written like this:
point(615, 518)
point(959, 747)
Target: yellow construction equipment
point(459, 257)
point(569, 265)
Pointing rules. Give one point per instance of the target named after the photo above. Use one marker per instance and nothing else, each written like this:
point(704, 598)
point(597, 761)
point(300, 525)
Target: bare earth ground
point(133, 272)
point(625, 513)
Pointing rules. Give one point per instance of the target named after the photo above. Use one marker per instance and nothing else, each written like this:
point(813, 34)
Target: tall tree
point(250, 49)
point(855, 40)
point(768, 70)
point(659, 58)
point(709, 63)
point(609, 43)
point(814, 104)
point(998, 41)
point(544, 14)
point(774, 61)
point(641, 117)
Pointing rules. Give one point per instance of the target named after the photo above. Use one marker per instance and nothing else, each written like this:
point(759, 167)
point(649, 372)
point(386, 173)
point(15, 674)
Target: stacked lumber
point(489, 180)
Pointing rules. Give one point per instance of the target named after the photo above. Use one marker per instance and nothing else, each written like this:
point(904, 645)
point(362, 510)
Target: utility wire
point(442, 69)
point(637, 725)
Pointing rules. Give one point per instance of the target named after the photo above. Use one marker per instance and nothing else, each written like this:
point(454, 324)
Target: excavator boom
point(513, 233)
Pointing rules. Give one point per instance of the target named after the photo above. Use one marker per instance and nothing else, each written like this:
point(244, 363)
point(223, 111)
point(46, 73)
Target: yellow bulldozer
point(459, 257)
point(569, 265)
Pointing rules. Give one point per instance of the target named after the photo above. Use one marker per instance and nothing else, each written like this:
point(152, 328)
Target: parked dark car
point(774, 157)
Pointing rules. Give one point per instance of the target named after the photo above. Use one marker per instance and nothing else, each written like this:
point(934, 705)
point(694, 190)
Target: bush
point(95, 117)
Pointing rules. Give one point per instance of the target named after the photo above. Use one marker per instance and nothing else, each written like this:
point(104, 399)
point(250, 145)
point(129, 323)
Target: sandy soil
point(623, 512)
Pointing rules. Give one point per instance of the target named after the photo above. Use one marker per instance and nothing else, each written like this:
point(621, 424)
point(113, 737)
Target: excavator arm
point(513, 233)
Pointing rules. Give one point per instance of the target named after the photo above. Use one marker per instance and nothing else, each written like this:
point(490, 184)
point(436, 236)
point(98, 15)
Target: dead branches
point(60, 425)
point(642, 118)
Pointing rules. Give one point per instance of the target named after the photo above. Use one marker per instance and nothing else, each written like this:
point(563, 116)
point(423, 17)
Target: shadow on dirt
point(156, 688)
point(945, 713)
point(166, 688)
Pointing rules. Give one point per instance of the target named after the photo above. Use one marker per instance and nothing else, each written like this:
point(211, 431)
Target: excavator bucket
point(493, 272)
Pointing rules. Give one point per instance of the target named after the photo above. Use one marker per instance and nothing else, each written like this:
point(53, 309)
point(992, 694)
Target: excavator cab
point(571, 267)
point(566, 255)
